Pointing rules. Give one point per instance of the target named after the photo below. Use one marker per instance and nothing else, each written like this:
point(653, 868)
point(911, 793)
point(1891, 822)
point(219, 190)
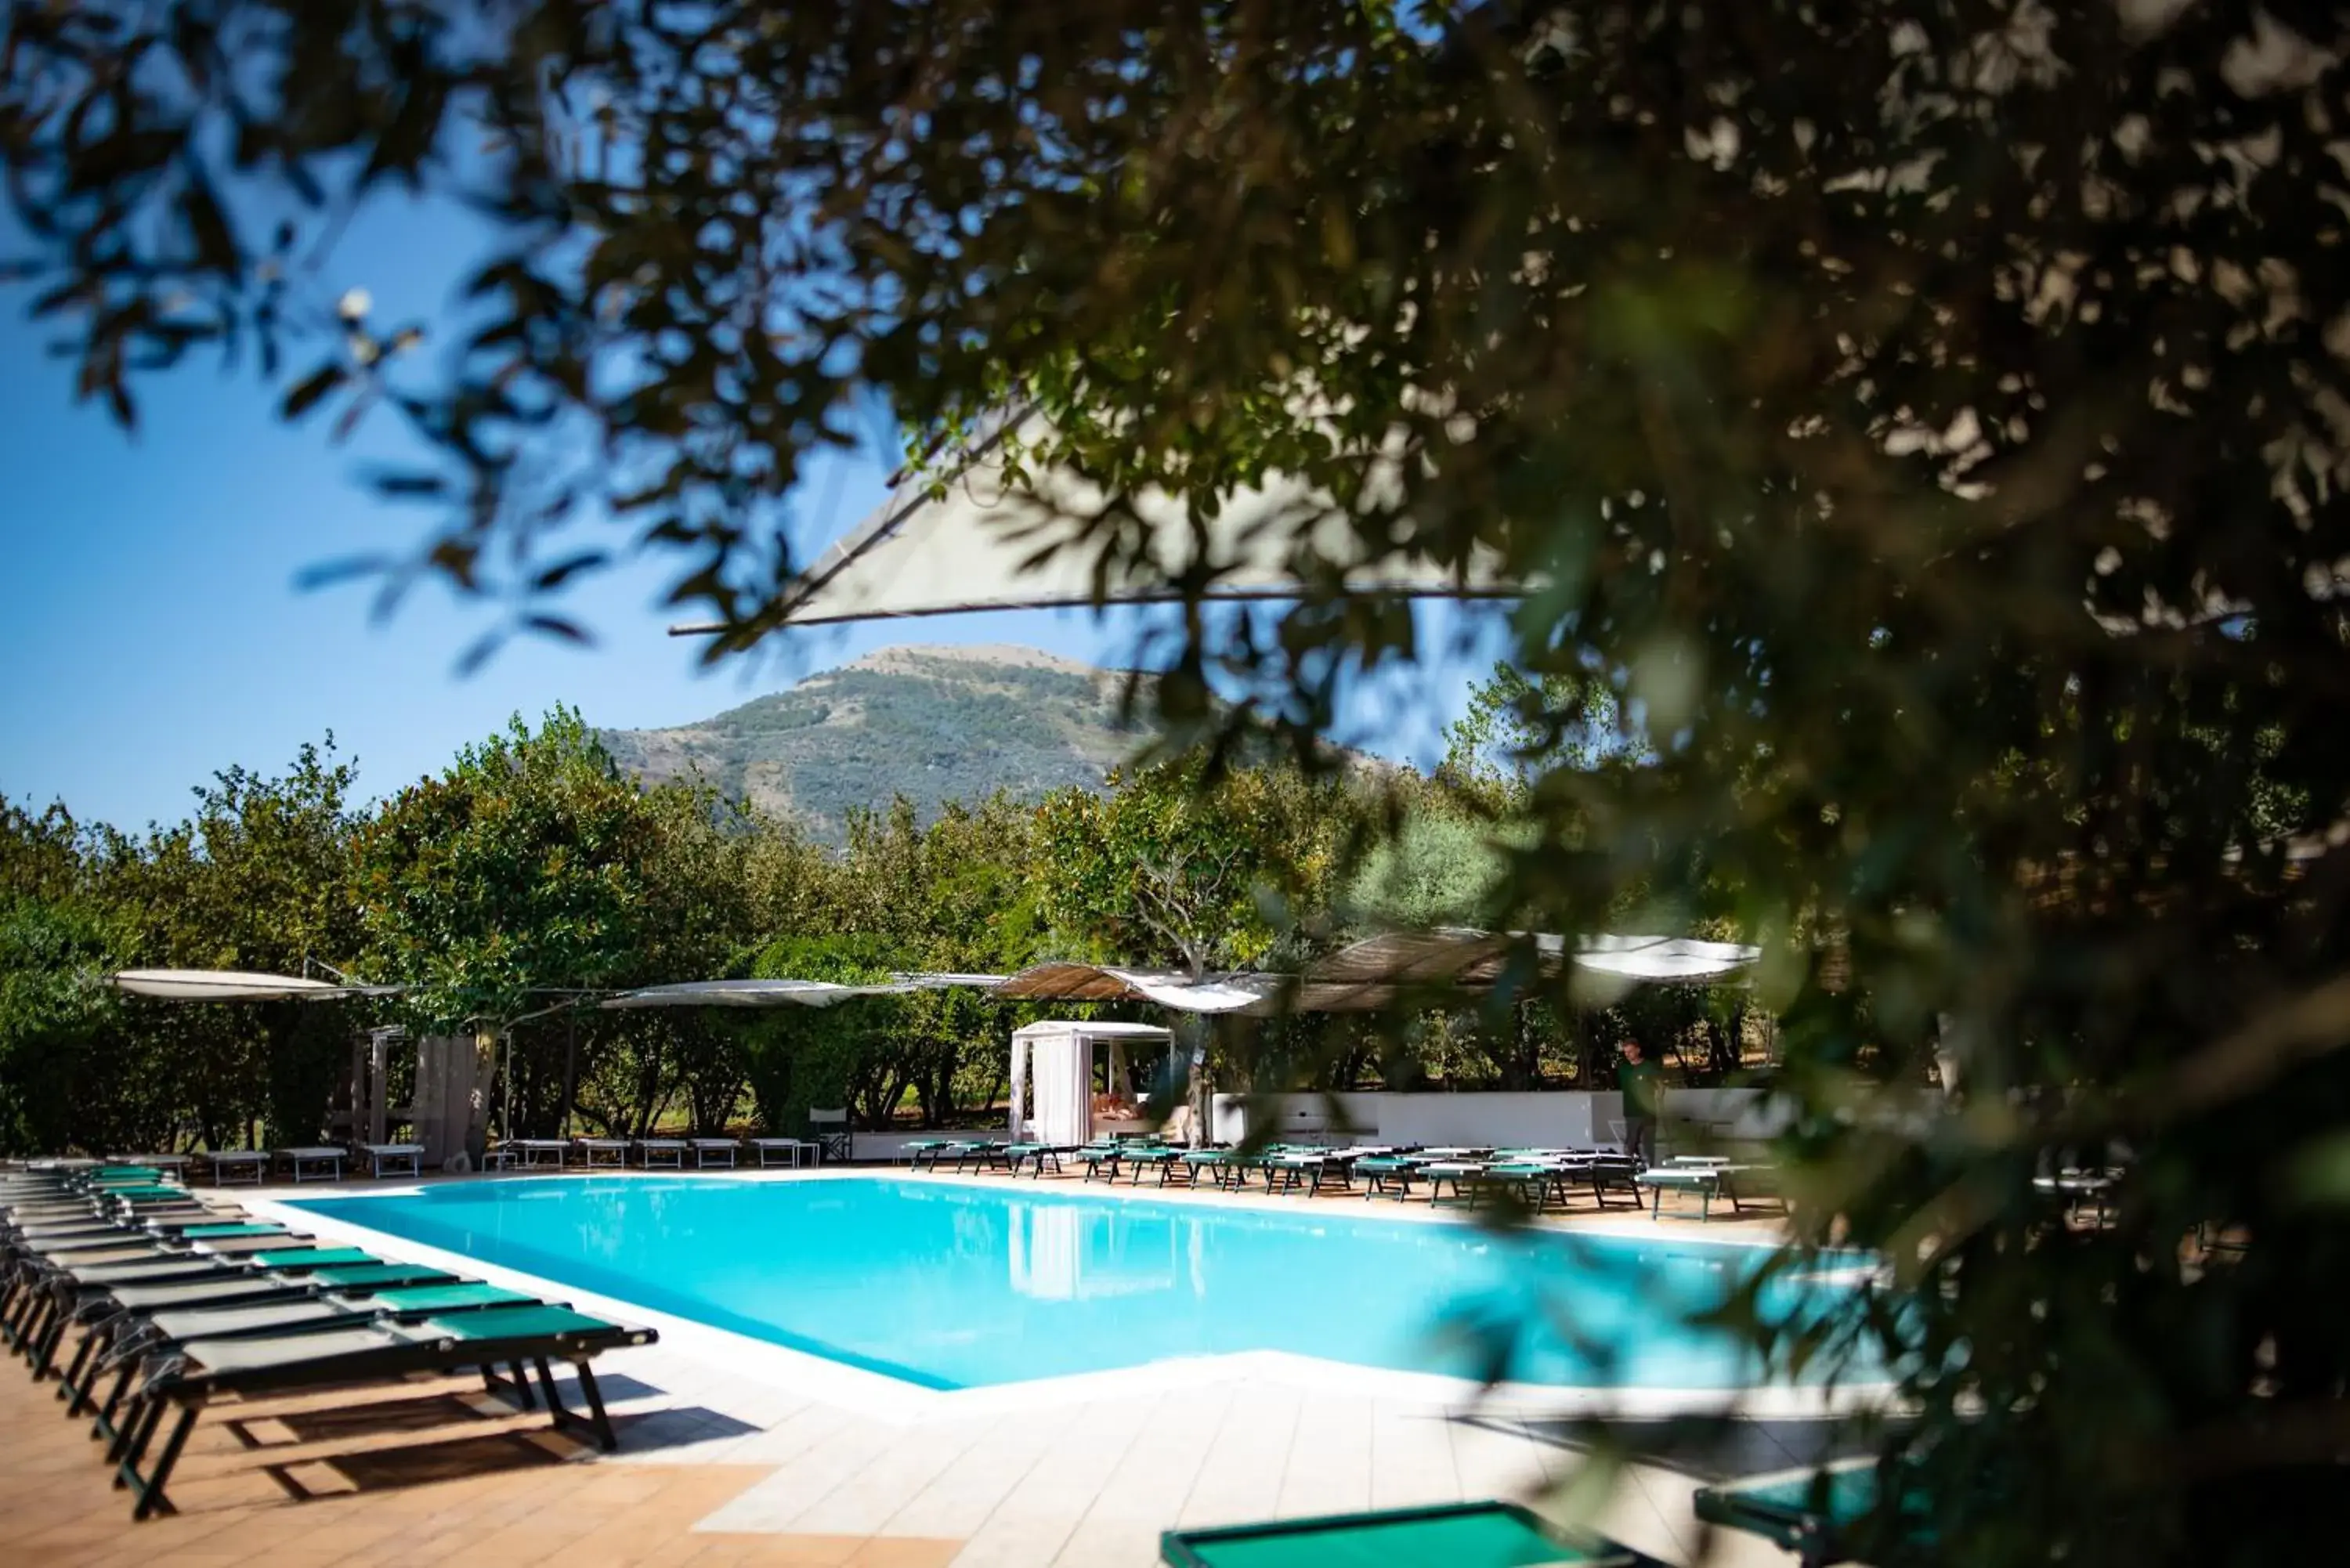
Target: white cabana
point(964, 535)
point(1055, 1059)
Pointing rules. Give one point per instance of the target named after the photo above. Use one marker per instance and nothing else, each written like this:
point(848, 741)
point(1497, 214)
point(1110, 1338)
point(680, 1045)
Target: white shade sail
point(1378, 971)
point(228, 985)
point(1383, 970)
point(1665, 960)
point(968, 536)
point(1062, 982)
point(785, 992)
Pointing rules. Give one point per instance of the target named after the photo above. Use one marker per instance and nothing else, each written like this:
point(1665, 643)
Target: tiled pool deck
point(734, 1454)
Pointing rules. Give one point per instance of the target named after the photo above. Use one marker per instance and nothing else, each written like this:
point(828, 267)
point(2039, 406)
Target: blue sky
point(151, 630)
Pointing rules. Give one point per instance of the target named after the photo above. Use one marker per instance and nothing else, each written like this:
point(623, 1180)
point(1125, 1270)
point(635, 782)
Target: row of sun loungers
point(253, 1166)
point(655, 1153)
point(332, 1162)
point(1534, 1179)
point(171, 1302)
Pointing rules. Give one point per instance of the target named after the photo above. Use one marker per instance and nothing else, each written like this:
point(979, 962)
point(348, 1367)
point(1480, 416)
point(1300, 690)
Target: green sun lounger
point(309, 1313)
point(1036, 1155)
point(1452, 1535)
point(301, 1313)
point(121, 1310)
point(1708, 1180)
point(64, 1294)
point(1221, 1164)
point(482, 1341)
point(1387, 1176)
point(1154, 1157)
point(925, 1148)
point(1811, 1513)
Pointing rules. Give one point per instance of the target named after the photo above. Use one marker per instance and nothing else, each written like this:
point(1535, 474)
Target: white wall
point(1726, 1112)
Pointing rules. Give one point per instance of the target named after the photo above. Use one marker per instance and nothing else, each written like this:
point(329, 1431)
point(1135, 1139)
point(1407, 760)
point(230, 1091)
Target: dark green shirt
point(1640, 1088)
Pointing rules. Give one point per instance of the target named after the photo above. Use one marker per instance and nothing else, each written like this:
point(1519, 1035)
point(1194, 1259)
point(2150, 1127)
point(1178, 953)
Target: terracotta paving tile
point(378, 1495)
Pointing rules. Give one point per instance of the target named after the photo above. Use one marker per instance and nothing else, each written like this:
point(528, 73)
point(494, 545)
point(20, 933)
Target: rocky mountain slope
point(931, 723)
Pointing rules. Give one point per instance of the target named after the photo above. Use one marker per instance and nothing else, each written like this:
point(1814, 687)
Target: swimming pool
point(957, 1286)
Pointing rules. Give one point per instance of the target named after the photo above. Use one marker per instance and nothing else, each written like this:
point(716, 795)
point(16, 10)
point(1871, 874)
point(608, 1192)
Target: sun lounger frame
point(138, 1431)
point(252, 1160)
point(383, 1154)
point(669, 1151)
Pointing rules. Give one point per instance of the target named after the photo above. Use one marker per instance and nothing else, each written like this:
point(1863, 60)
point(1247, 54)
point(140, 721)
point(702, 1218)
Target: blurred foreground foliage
point(1929, 419)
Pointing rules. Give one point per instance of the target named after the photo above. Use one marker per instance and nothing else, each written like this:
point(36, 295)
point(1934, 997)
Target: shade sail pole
point(570, 1066)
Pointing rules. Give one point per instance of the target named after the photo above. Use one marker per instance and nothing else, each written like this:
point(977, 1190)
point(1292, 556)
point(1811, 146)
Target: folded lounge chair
point(318, 1163)
point(533, 1151)
point(392, 1158)
point(249, 1166)
point(662, 1153)
point(482, 1341)
point(1448, 1535)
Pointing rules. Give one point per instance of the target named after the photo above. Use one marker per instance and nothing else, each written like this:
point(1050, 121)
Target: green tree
point(52, 1026)
point(1157, 870)
point(522, 873)
point(259, 878)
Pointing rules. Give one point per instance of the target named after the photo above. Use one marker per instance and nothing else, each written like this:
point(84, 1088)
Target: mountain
point(934, 724)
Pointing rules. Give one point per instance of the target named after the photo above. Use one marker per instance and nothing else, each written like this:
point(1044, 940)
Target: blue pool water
point(955, 1286)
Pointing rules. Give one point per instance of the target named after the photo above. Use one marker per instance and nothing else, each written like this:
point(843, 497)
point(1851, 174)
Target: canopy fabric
point(978, 539)
point(785, 992)
point(1383, 970)
point(228, 985)
point(1375, 972)
point(1665, 960)
point(1063, 981)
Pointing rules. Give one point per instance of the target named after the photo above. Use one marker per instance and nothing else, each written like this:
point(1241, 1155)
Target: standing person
point(1638, 1079)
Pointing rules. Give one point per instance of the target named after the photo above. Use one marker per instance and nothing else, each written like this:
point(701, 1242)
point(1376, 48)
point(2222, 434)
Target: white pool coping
point(880, 1396)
